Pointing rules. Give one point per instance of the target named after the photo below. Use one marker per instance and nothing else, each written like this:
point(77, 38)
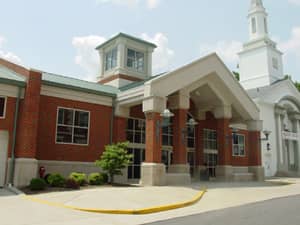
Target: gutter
point(13, 148)
point(112, 119)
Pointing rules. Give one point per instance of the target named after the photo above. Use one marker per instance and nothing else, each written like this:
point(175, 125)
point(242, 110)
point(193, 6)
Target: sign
point(290, 136)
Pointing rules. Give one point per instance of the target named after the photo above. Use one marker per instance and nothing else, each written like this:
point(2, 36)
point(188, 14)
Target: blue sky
point(60, 35)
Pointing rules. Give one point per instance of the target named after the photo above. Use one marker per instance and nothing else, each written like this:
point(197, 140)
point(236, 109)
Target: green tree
point(296, 83)
point(114, 159)
point(236, 75)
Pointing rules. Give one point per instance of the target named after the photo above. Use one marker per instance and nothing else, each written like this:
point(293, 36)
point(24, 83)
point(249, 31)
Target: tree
point(296, 83)
point(114, 159)
point(236, 75)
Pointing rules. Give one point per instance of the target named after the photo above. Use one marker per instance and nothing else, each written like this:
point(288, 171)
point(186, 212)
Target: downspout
point(112, 119)
point(12, 170)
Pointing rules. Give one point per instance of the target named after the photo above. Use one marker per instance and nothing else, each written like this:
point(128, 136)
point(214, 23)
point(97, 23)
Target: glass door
point(134, 170)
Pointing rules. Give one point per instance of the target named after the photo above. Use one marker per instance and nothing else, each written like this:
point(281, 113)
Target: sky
point(60, 36)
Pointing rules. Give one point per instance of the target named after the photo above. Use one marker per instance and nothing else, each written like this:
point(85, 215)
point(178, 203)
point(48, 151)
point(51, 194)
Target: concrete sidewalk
point(17, 211)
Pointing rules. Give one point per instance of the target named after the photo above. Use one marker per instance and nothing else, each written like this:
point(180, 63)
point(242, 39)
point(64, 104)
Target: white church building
point(261, 74)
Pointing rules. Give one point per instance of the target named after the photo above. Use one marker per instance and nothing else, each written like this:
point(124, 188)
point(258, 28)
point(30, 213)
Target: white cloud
point(227, 50)
point(151, 4)
point(295, 2)
point(292, 45)
point(7, 54)
point(163, 55)
point(86, 56)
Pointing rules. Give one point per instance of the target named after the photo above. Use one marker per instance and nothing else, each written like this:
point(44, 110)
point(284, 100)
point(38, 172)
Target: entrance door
point(166, 157)
point(134, 170)
point(3, 155)
point(210, 161)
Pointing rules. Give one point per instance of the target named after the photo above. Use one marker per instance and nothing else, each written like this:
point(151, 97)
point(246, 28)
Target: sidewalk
point(17, 211)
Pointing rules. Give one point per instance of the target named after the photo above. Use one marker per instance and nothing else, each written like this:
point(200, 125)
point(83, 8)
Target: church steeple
point(260, 60)
point(257, 17)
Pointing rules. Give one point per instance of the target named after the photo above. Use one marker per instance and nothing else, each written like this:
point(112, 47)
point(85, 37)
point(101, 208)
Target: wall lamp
point(190, 125)
point(267, 134)
point(166, 115)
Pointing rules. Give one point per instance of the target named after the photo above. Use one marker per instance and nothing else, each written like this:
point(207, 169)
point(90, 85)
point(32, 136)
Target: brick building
point(194, 120)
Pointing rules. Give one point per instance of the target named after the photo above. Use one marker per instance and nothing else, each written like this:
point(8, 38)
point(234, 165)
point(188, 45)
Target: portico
point(171, 149)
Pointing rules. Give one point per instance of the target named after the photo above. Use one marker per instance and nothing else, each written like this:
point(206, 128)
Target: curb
point(149, 210)
point(14, 190)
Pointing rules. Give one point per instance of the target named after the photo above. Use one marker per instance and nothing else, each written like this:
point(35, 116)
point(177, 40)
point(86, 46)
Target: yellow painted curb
point(112, 211)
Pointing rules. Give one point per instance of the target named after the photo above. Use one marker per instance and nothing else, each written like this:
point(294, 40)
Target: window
point(266, 25)
point(111, 59)
point(135, 60)
point(253, 23)
point(2, 107)
point(167, 133)
point(275, 63)
point(136, 131)
point(210, 139)
point(72, 126)
point(238, 145)
point(191, 140)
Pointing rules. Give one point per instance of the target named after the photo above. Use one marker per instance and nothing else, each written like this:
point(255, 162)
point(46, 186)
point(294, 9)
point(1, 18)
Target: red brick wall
point(28, 118)
point(8, 122)
point(99, 133)
point(137, 112)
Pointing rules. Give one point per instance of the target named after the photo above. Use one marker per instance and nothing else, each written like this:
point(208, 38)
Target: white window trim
point(208, 150)
point(239, 155)
point(104, 59)
point(134, 131)
point(4, 109)
point(74, 109)
point(126, 58)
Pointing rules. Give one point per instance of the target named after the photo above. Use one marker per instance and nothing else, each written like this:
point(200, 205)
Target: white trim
point(5, 105)
point(73, 126)
point(241, 156)
point(136, 51)
point(10, 91)
point(75, 95)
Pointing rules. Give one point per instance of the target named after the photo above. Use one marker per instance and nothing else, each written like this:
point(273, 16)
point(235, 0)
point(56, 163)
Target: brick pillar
point(153, 142)
point(179, 142)
point(224, 142)
point(120, 125)
point(29, 118)
point(254, 148)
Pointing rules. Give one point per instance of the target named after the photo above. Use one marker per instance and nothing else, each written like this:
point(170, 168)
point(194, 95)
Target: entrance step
point(178, 178)
point(242, 177)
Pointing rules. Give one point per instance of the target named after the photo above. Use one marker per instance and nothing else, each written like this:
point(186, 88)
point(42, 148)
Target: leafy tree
point(236, 75)
point(114, 159)
point(296, 83)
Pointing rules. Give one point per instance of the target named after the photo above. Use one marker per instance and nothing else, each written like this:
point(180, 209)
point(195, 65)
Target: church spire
point(256, 4)
point(258, 24)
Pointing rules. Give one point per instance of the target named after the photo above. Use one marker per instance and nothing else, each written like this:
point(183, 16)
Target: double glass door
point(134, 170)
point(210, 161)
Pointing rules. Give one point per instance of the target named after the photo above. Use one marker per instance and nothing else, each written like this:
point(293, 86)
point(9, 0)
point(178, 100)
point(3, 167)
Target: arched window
point(253, 24)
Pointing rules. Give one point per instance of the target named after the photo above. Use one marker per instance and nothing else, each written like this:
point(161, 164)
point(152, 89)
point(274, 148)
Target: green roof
point(10, 77)
point(129, 37)
point(139, 83)
point(78, 85)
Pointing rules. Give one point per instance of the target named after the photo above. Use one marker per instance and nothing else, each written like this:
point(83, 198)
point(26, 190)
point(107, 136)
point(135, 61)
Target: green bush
point(105, 177)
point(72, 184)
point(80, 178)
point(96, 179)
point(37, 184)
point(56, 180)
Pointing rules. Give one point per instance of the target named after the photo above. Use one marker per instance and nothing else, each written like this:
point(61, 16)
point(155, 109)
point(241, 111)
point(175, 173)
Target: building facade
point(261, 73)
point(194, 120)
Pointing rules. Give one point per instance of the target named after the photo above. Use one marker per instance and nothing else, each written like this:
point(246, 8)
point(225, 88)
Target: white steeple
point(260, 60)
point(257, 17)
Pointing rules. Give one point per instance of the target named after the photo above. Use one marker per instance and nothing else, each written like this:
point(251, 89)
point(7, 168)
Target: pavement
point(18, 211)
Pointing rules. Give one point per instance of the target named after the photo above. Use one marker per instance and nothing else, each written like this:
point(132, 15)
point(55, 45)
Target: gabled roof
point(8, 76)
point(129, 37)
point(78, 85)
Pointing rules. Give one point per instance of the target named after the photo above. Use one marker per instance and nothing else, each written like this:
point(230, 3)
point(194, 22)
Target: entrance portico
point(206, 91)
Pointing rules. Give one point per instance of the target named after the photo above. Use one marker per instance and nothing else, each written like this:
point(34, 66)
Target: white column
point(101, 65)
point(121, 55)
point(149, 63)
point(279, 136)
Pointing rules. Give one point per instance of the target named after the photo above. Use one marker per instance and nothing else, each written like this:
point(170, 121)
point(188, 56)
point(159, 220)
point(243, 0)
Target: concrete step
point(241, 177)
point(178, 178)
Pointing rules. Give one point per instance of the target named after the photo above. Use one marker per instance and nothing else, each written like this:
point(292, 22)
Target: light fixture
point(190, 125)
point(267, 134)
point(166, 114)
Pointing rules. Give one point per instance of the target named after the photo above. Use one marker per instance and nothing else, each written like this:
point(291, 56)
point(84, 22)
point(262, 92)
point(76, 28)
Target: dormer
point(125, 59)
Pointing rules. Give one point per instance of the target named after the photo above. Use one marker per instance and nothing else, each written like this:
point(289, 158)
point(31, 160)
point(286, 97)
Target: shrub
point(72, 184)
point(96, 179)
point(105, 177)
point(56, 180)
point(80, 178)
point(37, 184)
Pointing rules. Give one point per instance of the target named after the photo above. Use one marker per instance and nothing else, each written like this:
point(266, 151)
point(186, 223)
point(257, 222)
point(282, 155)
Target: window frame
point(135, 58)
point(207, 139)
point(73, 126)
point(239, 145)
point(4, 108)
point(111, 50)
point(253, 25)
point(134, 131)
